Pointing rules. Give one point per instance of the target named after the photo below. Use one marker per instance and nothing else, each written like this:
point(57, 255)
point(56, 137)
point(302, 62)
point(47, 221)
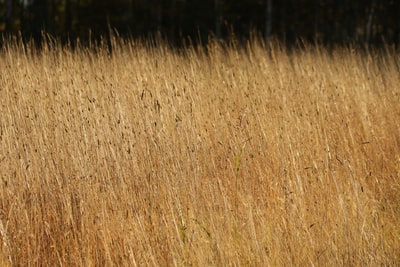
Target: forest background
point(328, 22)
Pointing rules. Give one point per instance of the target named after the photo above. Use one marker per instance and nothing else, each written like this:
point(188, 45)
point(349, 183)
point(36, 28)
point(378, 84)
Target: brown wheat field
point(218, 156)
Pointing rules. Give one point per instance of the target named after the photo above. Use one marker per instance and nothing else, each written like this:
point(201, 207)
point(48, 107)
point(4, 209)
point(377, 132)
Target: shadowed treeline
point(326, 21)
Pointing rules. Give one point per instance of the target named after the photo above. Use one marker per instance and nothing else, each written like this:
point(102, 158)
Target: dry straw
point(217, 156)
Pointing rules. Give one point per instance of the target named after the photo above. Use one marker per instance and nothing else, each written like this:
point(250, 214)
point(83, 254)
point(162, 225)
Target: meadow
point(224, 155)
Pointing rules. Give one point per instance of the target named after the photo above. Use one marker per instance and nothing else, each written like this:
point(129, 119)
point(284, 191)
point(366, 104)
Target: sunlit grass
point(222, 156)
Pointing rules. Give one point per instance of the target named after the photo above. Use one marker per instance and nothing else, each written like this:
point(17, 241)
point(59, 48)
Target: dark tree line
point(328, 21)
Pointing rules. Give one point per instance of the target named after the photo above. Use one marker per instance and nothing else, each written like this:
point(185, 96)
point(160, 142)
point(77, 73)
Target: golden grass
point(218, 158)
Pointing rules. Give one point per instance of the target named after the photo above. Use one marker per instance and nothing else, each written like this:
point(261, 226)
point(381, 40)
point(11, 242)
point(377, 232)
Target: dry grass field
point(224, 156)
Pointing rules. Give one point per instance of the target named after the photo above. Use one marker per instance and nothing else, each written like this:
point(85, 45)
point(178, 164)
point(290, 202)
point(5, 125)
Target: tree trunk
point(217, 9)
point(268, 21)
point(369, 24)
point(9, 6)
point(316, 20)
point(159, 15)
